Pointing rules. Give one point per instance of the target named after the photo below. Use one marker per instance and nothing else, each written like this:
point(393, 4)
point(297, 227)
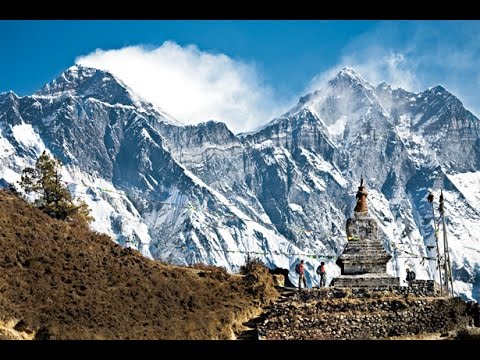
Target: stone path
point(251, 332)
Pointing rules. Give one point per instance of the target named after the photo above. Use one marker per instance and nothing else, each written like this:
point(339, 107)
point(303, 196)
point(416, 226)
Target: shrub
point(251, 265)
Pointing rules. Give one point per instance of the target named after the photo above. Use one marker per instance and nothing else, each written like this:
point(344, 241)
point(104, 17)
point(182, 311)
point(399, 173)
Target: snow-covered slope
point(188, 194)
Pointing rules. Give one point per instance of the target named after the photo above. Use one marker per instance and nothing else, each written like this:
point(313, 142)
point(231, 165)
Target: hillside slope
point(58, 281)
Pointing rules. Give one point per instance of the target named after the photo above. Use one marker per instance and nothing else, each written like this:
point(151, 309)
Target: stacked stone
point(377, 317)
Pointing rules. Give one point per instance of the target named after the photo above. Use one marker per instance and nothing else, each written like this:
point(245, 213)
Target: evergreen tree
point(45, 179)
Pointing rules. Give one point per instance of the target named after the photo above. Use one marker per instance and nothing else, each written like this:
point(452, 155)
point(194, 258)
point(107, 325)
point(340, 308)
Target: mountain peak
point(350, 77)
point(80, 70)
point(438, 89)
point(350, 73)
point(84, 81)
point(77, 74)
point(347, 70)
point(384, 85)
point(347, 79)
point(72, 79)
point(9, 94)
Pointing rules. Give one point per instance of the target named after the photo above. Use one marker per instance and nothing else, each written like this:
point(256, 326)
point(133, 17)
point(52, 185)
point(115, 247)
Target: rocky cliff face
point(200, 193)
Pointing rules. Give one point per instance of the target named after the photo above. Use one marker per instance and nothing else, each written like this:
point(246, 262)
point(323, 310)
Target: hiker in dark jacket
point(301, 276)
point(410, 277)
point(476, 315)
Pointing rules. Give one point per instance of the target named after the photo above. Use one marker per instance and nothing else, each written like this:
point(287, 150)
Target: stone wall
point(346, 314)
point(419, 288)
point(370, 281)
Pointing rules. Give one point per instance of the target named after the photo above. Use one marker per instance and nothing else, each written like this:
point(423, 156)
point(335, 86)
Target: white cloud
point(190, 84)
point(391, 67)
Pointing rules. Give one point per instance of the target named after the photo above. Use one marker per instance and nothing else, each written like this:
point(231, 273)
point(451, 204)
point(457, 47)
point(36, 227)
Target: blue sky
point(242, 72)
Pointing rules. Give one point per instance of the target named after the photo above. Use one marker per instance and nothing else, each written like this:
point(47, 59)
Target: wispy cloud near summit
point(416, 55)
point(191, 84)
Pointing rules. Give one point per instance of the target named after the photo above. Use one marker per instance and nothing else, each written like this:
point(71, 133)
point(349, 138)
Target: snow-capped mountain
point(188, 194)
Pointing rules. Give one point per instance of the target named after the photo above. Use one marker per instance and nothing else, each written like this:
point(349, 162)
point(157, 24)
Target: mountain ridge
point(199, 193)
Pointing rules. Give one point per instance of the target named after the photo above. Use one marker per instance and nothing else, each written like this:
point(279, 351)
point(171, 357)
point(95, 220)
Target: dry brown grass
point(62, 282)
point(468, 333)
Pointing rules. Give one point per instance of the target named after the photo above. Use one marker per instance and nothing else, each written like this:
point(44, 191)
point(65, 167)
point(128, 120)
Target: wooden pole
point(435, 230)
point(448, 273)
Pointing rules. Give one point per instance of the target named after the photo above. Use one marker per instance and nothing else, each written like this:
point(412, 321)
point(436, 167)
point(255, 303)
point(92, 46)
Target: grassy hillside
point(58, 281)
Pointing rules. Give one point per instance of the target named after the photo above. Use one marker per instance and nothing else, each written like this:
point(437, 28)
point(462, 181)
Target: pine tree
point(45, 179)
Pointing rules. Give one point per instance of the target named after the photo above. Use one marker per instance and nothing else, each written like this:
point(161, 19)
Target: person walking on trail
point(323, 275)
point(476, 315)
point(301, 276)
point(410, 277)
